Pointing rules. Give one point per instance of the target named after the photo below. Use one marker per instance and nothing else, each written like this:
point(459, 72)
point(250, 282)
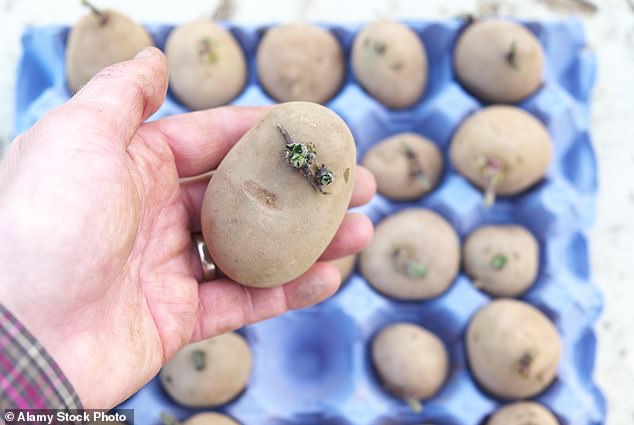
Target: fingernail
point(145, 53)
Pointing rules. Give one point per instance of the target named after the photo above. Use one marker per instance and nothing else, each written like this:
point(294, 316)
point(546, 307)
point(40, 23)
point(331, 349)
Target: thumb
point(120, 97)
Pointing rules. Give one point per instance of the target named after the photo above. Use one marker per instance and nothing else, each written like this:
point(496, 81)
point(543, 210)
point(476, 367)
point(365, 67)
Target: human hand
point(96, 257)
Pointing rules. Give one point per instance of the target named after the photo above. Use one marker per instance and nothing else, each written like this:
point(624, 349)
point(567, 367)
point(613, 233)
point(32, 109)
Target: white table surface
point(610, 31)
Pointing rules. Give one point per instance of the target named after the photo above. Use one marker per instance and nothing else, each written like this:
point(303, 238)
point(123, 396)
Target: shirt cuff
point(29, 377)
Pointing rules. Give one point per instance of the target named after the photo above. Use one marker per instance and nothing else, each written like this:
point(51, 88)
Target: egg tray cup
point(313, 366)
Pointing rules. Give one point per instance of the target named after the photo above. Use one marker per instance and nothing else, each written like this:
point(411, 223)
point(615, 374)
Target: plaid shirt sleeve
point(29, 377)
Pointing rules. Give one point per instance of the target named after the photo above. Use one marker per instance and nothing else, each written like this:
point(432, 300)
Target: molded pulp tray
point(312, 366)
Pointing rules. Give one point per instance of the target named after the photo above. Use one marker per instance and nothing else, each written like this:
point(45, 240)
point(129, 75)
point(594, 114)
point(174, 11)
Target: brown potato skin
point(92, 47)
point(521, 250)
point(226, 372)
point(210, 418)
point(396, 77)
point(522, 413)
point(435, 242)
point(262, 220)
point(387, 161)
point(480, 60)
point(510, 134)
point(197, 82)
point(411, 362)
point(499, 335)
point(300, 62)
point(345, 265)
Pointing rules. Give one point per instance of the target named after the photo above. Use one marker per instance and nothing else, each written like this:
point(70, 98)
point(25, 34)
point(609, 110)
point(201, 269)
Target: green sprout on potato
point(499, 261)
point(492, 170)
point(523, 364)
point(168, 419)
point(324, 176)
point(511, 56)
point(415, 405)
point(404, 262)
point(377, 47)
point(198, 356)
point(302, 157)
point(416, 172)
point(103, 17)
point(207, 50)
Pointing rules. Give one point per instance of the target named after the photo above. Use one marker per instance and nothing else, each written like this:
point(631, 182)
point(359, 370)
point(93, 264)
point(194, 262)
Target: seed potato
point(210, 418)
point(502, 260)
point(411, 362)
point(513, 349)
point(523, 413)
point(300, 62)
point(207, 65)
point(96, 42)
point(406, 166)
point(264, 221)
point(208, 373)
point(502, 150)
point(390, 62)
point(345, 265)
point(499, 61)
point(415, 255)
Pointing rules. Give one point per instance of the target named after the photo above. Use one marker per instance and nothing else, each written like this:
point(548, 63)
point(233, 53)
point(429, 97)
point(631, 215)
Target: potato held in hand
point(279, 196)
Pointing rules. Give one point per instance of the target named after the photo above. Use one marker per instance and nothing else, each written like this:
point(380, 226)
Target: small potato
point(406, 166)
point(210, 418)
point(523, 413)
point(96, 42)
point(267, 216)
point(300, 62)
point(345, 266)
point(207, 65)
point(502, 150)
point(501, 260)
point(513, 349)
point(390, 62)
point(411, 362)
point(415, 255)
point(208, 373)
point(499, 61)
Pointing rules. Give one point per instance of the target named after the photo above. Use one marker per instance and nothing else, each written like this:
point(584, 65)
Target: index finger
point(199, 140)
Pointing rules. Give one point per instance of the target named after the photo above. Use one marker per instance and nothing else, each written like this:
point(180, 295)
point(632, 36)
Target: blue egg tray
point(313, 366)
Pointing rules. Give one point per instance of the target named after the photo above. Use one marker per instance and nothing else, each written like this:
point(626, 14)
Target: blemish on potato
point(260, 194)
point(346, 175)
point(397, 66)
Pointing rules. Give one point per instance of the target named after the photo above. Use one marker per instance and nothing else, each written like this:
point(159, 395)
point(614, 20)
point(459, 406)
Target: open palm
point(97, 259)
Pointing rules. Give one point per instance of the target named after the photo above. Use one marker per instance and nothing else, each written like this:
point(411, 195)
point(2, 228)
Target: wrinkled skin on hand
point(96, 257)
